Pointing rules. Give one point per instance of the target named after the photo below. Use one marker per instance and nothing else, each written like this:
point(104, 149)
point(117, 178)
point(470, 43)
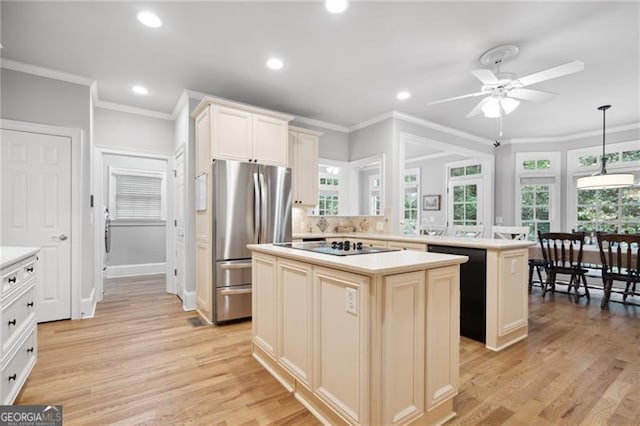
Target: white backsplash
point(304, 223)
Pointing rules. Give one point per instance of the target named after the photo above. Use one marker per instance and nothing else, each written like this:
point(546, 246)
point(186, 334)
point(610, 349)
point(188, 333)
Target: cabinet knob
point(30, 304)
point(30, 269)
point(13, 377)
point(250, 160)
point(255, 161)
point(12, 280)
point(30, 349)
point(12, 322)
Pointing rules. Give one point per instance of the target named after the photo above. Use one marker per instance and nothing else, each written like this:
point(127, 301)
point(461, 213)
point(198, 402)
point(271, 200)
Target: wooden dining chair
point(562, 253)
point(620, 262)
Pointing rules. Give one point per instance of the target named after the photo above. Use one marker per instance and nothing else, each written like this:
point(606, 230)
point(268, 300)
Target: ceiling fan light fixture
point(491, 108)
point(509, 105)
point(603, 180)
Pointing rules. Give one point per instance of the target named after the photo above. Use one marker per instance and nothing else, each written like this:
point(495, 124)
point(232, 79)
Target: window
point(538, 191)
point(136, 195)
point(328, 192)
point(474, 169)
point(411, 217)
point(465, 204)
point(375, 195)
point(607, 210)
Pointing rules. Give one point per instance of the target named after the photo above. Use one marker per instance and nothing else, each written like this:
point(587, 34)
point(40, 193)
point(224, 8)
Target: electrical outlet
point(351, 300)
point(379, 225)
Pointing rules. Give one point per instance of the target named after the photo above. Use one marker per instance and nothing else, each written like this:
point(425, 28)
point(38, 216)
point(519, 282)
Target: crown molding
point(371, 121)
point(428, 157)
point(132, 110)
point(441, 128)
point(574, 136)
point(322, 124)
point(10, 64)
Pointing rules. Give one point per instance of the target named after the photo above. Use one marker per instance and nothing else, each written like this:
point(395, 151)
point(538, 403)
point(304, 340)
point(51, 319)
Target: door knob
point(61, 237)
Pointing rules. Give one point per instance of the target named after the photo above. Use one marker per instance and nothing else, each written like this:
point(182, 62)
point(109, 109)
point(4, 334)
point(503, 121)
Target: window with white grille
point(136, 195)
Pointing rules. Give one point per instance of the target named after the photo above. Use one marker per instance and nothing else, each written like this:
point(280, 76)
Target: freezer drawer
point(233, 272)
point(233, 303)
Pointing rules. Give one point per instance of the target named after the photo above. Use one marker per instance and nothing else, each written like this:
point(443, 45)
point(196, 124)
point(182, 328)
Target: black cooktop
point(342, 248)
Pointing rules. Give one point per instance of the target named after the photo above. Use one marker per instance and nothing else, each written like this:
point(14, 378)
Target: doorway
point(41, 207)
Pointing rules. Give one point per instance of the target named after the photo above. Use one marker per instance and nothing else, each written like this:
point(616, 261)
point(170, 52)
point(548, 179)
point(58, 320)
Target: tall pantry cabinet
point(228, 130)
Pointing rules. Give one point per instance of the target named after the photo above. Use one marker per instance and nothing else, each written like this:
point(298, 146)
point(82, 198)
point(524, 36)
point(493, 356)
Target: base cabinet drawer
point(16, 312)
point(17, 366)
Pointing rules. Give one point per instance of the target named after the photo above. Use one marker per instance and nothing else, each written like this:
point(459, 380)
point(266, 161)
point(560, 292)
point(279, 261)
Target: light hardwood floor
point(139, 361)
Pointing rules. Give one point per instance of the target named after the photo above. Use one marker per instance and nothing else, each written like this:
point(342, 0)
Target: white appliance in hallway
point(36, 211)
point(251, 204)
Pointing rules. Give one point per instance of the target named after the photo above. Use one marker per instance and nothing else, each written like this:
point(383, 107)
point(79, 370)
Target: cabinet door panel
point(203, 142)
point(232, 130)
point(296, 283)
point(270, 145)
point(264, 303)
point(307, 165)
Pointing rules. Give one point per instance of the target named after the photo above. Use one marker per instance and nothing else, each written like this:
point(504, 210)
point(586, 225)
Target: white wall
point(133, 132)
point(35, 99)
point(332, 145)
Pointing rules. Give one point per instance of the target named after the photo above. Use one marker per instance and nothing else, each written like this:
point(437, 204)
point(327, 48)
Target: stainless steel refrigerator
point(251, 204)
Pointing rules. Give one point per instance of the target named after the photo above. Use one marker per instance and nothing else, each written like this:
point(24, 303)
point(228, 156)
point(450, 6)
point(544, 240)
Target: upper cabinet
point(303, 160)
point(241, 132)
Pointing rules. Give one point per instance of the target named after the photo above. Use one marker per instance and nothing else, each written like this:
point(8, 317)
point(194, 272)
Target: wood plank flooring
point(139, 361)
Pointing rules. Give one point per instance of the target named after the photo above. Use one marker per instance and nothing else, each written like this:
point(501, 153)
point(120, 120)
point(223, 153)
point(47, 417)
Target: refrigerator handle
point(257, 200)
point(263, 209)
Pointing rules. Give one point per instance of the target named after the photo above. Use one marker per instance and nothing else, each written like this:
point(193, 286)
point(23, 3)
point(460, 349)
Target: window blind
point(138, 197)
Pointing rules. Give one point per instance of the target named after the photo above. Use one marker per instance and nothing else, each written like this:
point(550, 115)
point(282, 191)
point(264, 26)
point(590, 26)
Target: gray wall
point(333, 145)
point(133, 132)
point(35, 99)
point(139, 243)
point(505, 169)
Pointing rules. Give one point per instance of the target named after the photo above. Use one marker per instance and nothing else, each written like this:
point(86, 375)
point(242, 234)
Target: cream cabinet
point(242, 132)
point(265, 303)
point(404, 245)
point(303, 160)
point(19, 347)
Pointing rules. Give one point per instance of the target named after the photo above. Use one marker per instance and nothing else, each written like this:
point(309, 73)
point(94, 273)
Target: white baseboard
point(88, 305)
point(135, 270)
point(188, 300)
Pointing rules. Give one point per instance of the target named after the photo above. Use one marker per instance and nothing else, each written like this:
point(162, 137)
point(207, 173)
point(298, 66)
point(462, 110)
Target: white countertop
point(481, 243)
point(10, 254)
point(391, 262)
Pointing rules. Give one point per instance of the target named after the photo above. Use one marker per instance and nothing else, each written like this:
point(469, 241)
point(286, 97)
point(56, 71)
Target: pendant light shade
point(603, 180)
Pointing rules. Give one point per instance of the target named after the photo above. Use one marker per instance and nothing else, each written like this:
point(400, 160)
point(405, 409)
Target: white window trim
point(554, 172)
point(375, 190)
point(574, 172)
point(413, 171)
point(486, 175)
point(114, 171)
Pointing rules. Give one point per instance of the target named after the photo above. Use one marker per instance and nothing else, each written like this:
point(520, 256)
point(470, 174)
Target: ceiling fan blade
point(485, 76)
point(555, 72)
point(531, 95)
point(470, 95)
point(478, 108)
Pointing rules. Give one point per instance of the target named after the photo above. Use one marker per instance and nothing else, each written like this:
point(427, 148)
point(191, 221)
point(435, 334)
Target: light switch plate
point(351, 300)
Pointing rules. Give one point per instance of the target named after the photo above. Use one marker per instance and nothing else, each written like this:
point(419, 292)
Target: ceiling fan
point(504, 90)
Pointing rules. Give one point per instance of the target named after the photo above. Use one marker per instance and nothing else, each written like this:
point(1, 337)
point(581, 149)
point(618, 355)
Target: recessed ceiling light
point(149, 19)
point(275, 64)
point(403, 95)
point(336, 6)
point(140, 90)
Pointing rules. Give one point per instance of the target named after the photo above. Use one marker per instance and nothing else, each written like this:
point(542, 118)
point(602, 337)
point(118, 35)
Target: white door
point(465, 202)
point(178, 228)
point(36, 212)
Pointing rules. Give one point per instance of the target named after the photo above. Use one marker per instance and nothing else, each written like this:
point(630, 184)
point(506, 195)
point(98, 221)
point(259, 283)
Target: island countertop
point(391, 262)
point(480, 243)
point(12, 254)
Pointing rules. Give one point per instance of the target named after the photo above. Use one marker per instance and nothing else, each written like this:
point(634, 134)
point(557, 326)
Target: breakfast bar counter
point(361, 339)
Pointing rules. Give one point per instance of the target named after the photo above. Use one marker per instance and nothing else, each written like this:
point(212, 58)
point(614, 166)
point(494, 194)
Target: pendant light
point(603, 180)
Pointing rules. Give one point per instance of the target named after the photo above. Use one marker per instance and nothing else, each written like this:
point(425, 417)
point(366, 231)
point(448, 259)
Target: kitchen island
point(364, 339)
point(494, 296)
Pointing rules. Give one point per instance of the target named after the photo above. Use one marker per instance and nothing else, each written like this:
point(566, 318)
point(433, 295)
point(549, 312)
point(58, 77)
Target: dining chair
point(434, 230)
point(510, 232)
point(469, 231)
point(620, 262)
point(562, 253)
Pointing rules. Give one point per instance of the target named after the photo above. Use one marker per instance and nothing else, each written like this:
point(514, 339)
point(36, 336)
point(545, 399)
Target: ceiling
point(345, 68)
